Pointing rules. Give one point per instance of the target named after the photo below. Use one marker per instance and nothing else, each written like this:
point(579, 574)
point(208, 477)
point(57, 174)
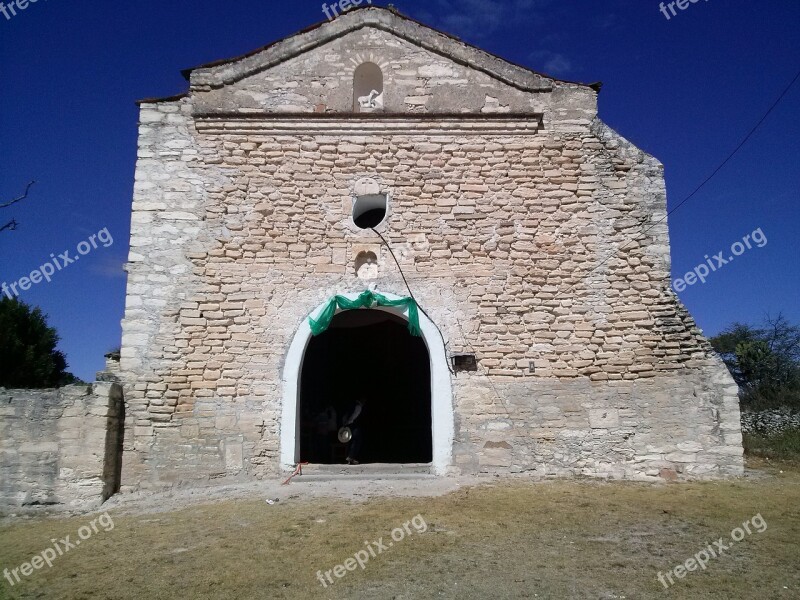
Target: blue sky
point(685, 89)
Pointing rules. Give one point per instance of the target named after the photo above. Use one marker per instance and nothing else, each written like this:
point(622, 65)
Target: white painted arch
point(441, 389)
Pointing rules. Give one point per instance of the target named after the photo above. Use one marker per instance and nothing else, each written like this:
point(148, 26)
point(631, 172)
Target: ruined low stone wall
point(60, 446)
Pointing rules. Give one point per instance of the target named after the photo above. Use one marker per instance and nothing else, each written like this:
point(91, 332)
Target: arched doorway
point(367, 355)
point(441, 402)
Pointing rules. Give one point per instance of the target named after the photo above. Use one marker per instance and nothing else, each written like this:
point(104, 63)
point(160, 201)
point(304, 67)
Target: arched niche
point(368, 88)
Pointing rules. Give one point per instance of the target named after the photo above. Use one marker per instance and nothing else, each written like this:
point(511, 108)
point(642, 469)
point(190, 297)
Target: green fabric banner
point(366, 299)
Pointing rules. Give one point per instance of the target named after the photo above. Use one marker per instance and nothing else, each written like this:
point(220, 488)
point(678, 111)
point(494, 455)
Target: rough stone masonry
point(60, 447)
point(546, 255)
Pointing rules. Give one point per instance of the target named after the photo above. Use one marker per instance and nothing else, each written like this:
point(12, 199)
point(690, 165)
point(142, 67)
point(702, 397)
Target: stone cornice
point(406, 124)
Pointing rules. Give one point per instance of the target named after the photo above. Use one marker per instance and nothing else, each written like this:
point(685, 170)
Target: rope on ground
point(298, 470)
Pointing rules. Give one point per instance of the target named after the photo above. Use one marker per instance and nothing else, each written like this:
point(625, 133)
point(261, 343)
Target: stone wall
point(684, 424)
point(60, 446)
point(535, 237)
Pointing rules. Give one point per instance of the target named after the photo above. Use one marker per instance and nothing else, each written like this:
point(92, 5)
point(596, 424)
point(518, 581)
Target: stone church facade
point(533, 237)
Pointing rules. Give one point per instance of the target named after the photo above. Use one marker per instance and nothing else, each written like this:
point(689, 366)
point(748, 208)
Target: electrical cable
point(463, 335)
point(410, 293)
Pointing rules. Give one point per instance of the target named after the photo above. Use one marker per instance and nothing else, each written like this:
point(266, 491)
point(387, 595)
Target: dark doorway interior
point(371, 354)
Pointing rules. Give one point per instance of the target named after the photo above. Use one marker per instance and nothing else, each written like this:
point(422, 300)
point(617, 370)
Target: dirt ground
point(420, 538)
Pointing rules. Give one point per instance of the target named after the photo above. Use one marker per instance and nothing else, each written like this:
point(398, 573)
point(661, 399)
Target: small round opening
point(369, 210)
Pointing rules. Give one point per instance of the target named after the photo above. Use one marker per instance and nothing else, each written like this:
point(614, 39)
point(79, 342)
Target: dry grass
point(509, 540)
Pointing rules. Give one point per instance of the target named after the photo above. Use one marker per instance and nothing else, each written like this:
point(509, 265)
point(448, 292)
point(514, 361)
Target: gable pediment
point(423, 70)
point(235, 69)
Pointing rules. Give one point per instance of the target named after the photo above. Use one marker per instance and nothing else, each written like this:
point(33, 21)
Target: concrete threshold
point(371, 471)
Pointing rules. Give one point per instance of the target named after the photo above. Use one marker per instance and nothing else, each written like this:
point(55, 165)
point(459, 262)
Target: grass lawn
point(509, 539)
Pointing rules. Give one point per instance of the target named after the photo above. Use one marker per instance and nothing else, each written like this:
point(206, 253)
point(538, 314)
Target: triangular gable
point(224, 72)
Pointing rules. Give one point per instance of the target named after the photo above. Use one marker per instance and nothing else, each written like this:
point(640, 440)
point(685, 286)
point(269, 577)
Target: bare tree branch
point(12, 224)
point(15, 200)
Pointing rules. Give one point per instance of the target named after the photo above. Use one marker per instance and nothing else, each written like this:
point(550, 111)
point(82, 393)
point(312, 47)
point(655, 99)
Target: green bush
point(764, 362)
point(784, 445)
point(28, 355)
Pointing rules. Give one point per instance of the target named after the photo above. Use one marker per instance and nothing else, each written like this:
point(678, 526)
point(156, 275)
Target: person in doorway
point(355, 421)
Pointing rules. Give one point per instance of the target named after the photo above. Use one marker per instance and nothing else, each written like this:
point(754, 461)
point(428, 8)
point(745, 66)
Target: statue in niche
point(373, 100)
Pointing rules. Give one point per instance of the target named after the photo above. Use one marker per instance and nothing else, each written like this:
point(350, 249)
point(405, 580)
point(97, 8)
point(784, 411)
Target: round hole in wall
point(369, 210)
